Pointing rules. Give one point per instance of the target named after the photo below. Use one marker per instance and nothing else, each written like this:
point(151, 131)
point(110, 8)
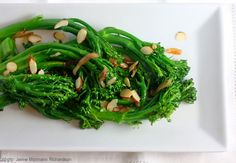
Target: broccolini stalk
point(58, 113)
point(112, 30)
point(157, 65)
point(162, 107)
point(151, 67)
point(40, 23)
point(71, 52)
point(100, 45)
point(34, 23)
point(45, 90)
point(161, 61)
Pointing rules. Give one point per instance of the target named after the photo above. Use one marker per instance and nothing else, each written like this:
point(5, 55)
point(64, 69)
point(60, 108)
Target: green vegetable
point(92, 95)
point(7, 49)
point(5, 100)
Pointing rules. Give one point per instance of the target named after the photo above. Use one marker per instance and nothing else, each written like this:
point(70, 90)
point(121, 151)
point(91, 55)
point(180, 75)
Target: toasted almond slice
point(102, 76)
point(135, 96)
point(81, 36)
point(104, 104)
point(6, 72)
point(129, 63)
point(55, 55)
point(41, 72)
point(147, 50)
point(32, 66)
point(22, 34)
point(111, 81)
point(163, 85)
point(124, 109)
point(128, 60)
point(61, 23)
point(11, 66)
point(180, 36)
point(84, 60)
point(133, 66)
point(134, 72)
point(174, 51)
point(127, 82)
point(154, 46)
point(116, 109)
point(78, 84)
point(126, 93)
point(60, 36)
point(124, 65)
point(113, 62)
point(112, 104)
point(35, 38)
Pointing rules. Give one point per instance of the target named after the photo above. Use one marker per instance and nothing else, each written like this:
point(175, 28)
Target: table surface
point(142, 157)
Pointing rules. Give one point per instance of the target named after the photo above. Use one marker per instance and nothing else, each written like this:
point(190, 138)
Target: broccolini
point(97, 76)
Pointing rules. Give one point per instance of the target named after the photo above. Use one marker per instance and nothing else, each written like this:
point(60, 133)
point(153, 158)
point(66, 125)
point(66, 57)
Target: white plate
point(197, 127)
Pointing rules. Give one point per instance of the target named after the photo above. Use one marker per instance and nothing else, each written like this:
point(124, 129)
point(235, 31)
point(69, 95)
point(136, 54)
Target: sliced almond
point(60, 36)
point(180, 36)
point(127, 82)
point(102, 76)
point(117, 109)
point(128, 60)
point(81, 36)
point(35, 38)
point(154, 46)
point(84, 60)
point(78, 84)
point(124, 109)
point(126, 93)
point(61, 23)
point(113, 62)
point(55, 55)
point(111, 81)
point(121, 108)
point(135, 96)
point(147, 50)
point(11, 66)
point(32, 66)
point(111, 105)
point(133, 66)
point(174, 51)
point(124, 65)
point(22, 34)
point(6, 72)
point(41, 72)
point(134, 72)
point(163, 85)
point(104, 104)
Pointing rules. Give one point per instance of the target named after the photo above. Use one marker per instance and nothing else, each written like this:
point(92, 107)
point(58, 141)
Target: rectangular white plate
point(197, 127)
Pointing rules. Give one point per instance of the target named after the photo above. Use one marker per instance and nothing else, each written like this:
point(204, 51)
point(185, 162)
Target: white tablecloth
point(145, 157)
